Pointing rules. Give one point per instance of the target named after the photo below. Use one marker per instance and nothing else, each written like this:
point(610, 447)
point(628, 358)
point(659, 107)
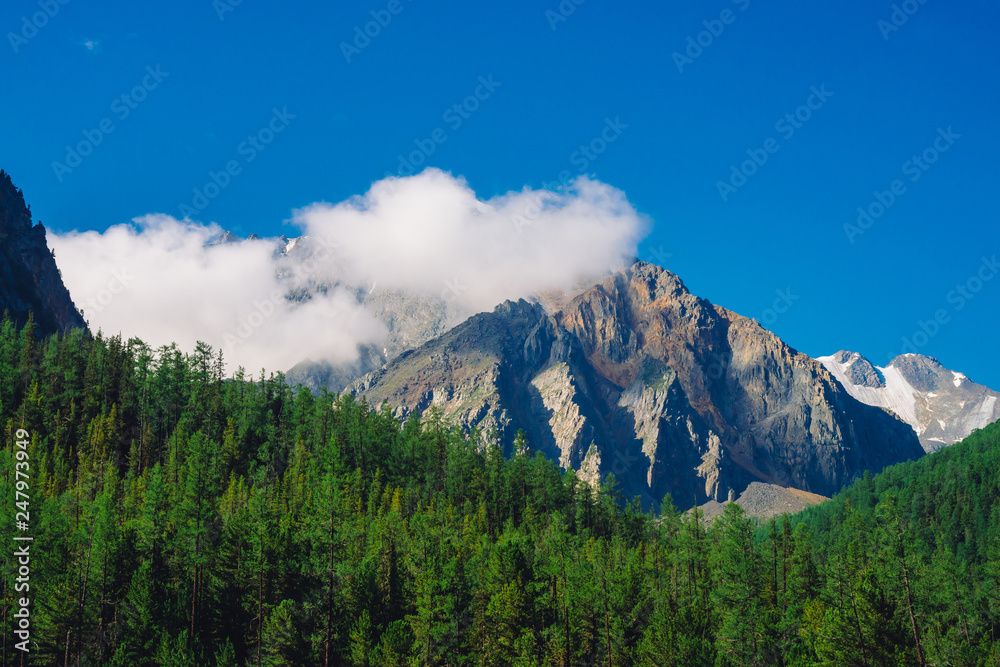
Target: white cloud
point(158, 281)
point(428, 234)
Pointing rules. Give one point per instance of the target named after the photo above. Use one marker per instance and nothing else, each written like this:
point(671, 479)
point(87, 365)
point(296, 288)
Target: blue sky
point(559, 77)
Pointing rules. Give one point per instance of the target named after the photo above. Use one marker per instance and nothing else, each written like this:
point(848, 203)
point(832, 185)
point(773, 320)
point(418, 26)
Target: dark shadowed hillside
point(29, 279)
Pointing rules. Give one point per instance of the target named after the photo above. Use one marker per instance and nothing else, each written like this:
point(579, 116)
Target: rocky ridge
point(638, 377)
point(942, 406)
point(30, 282)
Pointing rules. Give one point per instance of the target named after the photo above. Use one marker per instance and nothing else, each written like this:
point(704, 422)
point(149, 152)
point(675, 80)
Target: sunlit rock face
point(638, 378)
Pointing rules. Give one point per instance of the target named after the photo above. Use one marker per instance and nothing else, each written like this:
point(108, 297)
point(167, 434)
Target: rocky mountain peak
point(652, 282)
point(942, 406)
point(29, 279)
point(225, 237)
point(638, 377)
point(922, 372)
point(859, 370)
point(15, 215)
point(517, 309)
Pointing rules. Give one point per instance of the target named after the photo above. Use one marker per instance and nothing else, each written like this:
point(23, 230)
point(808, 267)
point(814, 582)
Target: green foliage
point(184, 518)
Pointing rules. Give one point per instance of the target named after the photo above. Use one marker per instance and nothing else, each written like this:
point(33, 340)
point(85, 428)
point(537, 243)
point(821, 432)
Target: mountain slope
point(942, 406)
point(638, 377)
point(410, 319)
point(29, 279)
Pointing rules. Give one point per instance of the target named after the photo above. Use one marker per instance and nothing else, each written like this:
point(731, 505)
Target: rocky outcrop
point(478, 373)
point(942, 406)
point(862, 373)
point(639, 378)
point(29, 279)
point(764, 501)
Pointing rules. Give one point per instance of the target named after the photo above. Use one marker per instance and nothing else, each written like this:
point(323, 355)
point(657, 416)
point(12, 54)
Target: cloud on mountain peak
point(157, 278)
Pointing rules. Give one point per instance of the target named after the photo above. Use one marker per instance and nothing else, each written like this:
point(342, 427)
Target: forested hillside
point(183, 518)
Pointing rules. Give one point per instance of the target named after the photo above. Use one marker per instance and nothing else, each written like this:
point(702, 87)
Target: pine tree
point(738, 585)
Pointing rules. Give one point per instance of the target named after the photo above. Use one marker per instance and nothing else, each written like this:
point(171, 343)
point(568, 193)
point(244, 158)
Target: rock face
point(941, 405)
point(638, 377)
point(410, 318)
point(29, 279)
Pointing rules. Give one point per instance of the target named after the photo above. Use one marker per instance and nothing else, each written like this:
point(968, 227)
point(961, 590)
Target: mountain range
point(409, 319)
point(628, 374)
point(638, 377)
point(941, 405)
point(575, 411)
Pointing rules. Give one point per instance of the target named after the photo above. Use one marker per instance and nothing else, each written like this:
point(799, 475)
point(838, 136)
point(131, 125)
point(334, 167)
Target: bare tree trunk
point(909, 606)
point(861, 637)
point(104, 592)
point(329, 601)
point(194, 602)
point(83, 598)
point(5, 625)
point(566, 658)
point(774, 549)
point(607, 615)
point(260, 601)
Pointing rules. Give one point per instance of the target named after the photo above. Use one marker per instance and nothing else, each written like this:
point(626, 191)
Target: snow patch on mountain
point(896, 395)
point(942, 406)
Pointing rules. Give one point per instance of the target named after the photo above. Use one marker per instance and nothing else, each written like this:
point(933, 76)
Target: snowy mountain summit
point(942, 406)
